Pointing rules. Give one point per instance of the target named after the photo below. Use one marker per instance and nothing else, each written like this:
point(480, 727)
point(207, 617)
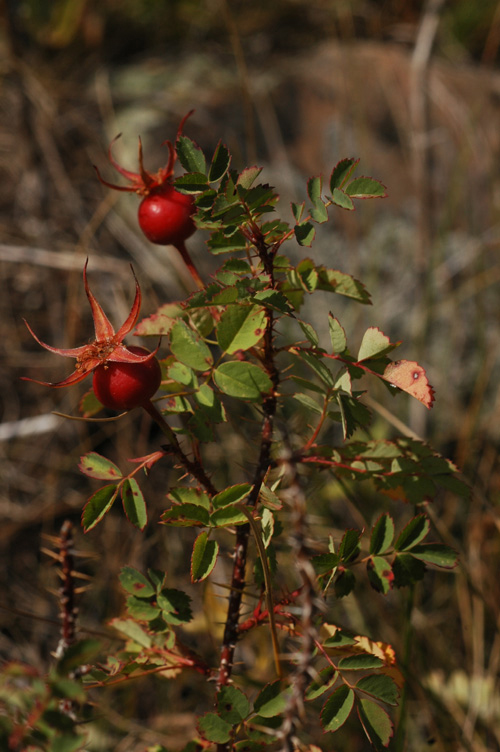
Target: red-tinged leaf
point(248, 177)
point(349, 546)
point(134, 504)
point(341, 199)
point(380, 686)
point(214, 729)
point(437, 554)
point(361, 662)
point(375, 344)
point(337, 708)
point(382, 534)
point(160, 322)
point(410, 377)
point(376, 723)
point(186, 515)
point(364, 187)
point(96, 466)
point(98, 505)
point(220, 163)
point(203, 558)
point(380, 574)
point(414, 532)
point(304, 233)
point(341, 172)
point(135, 583)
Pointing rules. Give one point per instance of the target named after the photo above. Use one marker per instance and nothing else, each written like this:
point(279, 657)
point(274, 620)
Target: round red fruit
point(165, 216)
point(123, 386)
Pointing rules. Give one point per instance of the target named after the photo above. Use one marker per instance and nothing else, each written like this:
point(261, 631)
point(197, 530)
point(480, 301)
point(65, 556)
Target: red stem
point(181, 247)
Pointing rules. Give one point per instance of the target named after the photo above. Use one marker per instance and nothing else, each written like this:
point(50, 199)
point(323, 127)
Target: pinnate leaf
point(360, 662)
point(214, 729)
point(437, 554)
point(242, 379)
point(190, 155)
point(220, 163)
point(337, 335)
point(232, 704)
point(341, 199)
point(380, 574)
point(364, 187)
point(341, 172)
point(375, 344)
point(241, 327)
point(134, 504)
point(304, 233)
point(323, 682)
point(376, 723)
point(407, 570)
point(337, 708)
point(231, 495)
point(96, 466)
point(380, 686)
point(98, 505)
point(204, 557)
point(414, 532)
point(411, 378)
point(271, 701)
point(189, 348)
point(382, 534)
point(135, 583)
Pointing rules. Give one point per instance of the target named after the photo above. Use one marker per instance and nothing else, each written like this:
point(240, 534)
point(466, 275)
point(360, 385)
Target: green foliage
point(239, 351)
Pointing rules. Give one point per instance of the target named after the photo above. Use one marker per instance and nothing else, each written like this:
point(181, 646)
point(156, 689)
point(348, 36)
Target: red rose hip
point(123, 386)
point(165, 216)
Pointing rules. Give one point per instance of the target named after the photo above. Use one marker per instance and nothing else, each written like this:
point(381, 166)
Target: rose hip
point(123, 386)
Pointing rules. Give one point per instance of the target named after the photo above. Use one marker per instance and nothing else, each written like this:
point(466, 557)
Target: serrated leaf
point(187, 495)
point(269, 499)
point(98, 505)
point(96, 466)
point(409, 376)
point(219, 243)
point(136, 583)
point(304, 233)
point(323, 682)
point(214, 729)
point(161, 322)
point(308, 402)
point(344, 584)
point(248, 176)
point(186, 515)
point(267, 524)
point(309, 332)
point(414, 532)
point(231, 495)
point(225, 516)
point(203, 558)
point(337, 708)
point(341, 172)
point(190, 155)
point(380, 686)
point(134, 504)
point(175, 606)
point(241, 327)
point(375, 344)
point(382, 534)
point(376, 723)
point(342, 200)
point(189, 348)
point(360, 662)
point(380, 574)
point(340, 283)
point(132, 631)
point(437, 554)
point(298, 211)
point(220, 163)
point(141, 609)
point(324, 563)
point(232, 704)
point(243, 380)
point(349, 546)
point(407, 570)
point(337, 335)
point(192, 182)
point(272, 700)
point(364, 187)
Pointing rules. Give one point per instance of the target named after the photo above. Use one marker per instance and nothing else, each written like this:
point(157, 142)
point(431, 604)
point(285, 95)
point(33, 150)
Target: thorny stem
point(310, 603)
point(193, 468)
point(263, 463)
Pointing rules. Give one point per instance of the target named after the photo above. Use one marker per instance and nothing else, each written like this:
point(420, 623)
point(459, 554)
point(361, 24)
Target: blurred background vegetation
point(411, 88)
